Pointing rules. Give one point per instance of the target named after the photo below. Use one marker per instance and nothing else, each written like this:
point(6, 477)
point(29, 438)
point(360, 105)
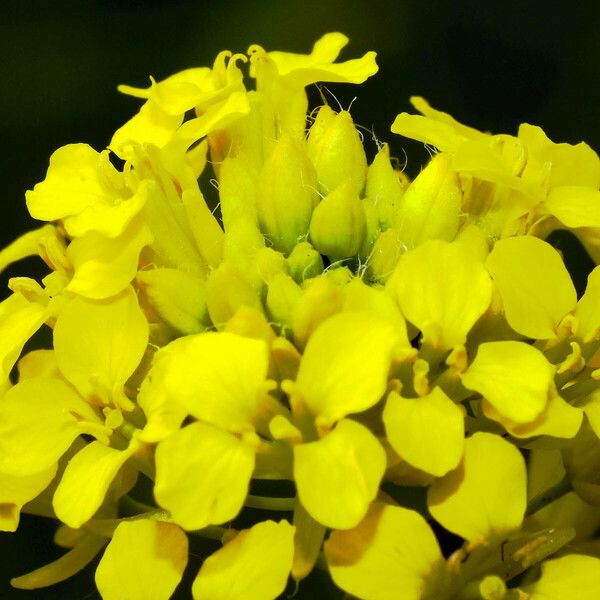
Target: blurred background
point(490, 64)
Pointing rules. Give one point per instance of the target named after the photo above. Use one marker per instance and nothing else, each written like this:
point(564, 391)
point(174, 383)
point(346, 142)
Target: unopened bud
point(282, 295)
point(337, 152)
point(385, 255)
point(384, 187)
point(177, 297)
point(322, 299)
point(287, 195)
point(338, 226)
point(227, 290)
point(237, 192)
point(430, 207)
point(304, 262)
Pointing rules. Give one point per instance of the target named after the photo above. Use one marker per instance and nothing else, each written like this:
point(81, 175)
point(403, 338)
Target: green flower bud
point(384, 187)
point(373, 227)
point(237, 192)
point(338, 225)
point(177, 297)
point(287, 195)
point(227, 290)
point(282, 295)
point(430, 207)
point(336, 150)
point(322, 299)
point(270, 263)
point(385, 255)
point(304, 262)
point(242, 243)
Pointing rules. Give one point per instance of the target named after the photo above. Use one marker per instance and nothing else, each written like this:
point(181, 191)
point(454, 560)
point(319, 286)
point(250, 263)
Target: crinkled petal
point(303, 70)
point(391, 551)
point(570, 576)
point(514, 377)
point(39, 419)
point(85, 482)
point(218, 378)
point(70, 186)
point(98, 345)
point(202, 475)
point(255, 564)
point(345, 364)
point(338, 476)
point(486, 496)
point(151, 125)
point(427, 432)
point(536, 288)
point(442, 289)
point(145, 559)
point(105, 266)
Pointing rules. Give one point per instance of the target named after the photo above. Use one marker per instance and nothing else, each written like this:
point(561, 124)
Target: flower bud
point(338, 225)
point(430, 207)
point(242, 243)
point(270, 263)
point(237, 192)
point(385, 255)
point(322, 299)
point(227, 290)
point(282, 296)
point(177, 297)
point(384, 187)
point(336, 150)
point(304, 262)
point(251, 323)
point(373, 228)
point(287, 195)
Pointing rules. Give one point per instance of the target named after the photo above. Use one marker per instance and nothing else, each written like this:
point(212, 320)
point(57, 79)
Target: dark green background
point(490, 64)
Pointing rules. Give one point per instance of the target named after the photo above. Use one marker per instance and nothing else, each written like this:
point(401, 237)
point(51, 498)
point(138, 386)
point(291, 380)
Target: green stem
point(268, 503)
point(548, 496)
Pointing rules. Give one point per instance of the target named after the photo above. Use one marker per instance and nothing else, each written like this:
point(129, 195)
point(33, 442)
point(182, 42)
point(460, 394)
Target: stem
point(548, 496)
point(268, 503)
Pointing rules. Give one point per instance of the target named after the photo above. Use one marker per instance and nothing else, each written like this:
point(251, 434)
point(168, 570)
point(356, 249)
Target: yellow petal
point(514, 377)
point(98, 345)
point(145, 559)
point(558, 419)
point(219, 378)
point(151, 125)
point(16, 490)
point(588, 309)
point(202, 475)
point(442, 289)
point(28, 244)
point(19, 320)
point(574, 206)
point(39, 419)
point(426, 432)
point(486, 496)
point(571, 164)
point(339, 475)
point(64, 567)
point(536, 288)
point(85, 482)
point(345, 365)
point(105, 266)
point(570, 576)
point(391, 551)
point(70, 186)
point(303, 69)
point(255, 564)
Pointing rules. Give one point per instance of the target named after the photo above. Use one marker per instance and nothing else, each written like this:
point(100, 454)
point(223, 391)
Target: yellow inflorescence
point(334, 326)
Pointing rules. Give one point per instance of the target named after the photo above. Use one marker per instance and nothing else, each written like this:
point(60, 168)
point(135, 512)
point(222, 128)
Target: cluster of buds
point(396, 359)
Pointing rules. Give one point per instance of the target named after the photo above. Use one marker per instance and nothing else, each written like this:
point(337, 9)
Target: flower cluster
point(409, 359)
